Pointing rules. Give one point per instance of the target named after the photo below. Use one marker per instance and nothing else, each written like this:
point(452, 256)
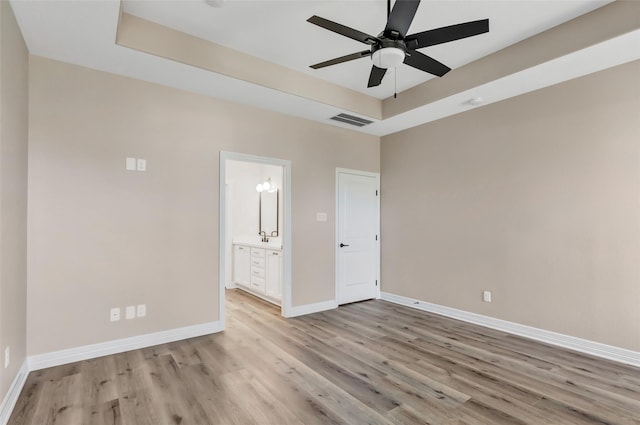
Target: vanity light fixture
point(266, 186)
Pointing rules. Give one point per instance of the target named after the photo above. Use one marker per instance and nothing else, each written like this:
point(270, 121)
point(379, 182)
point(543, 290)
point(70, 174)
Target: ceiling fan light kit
point(393, 46)
point(388, 57)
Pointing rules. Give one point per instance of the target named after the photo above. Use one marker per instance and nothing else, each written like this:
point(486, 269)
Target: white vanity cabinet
point(259, 271)
point(274, 273)
point(241, 265)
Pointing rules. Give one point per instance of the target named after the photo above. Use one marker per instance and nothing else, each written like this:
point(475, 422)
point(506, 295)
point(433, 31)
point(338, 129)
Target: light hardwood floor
point(365, 363)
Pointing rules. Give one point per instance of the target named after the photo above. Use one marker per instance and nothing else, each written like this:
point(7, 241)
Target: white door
point(358, 221)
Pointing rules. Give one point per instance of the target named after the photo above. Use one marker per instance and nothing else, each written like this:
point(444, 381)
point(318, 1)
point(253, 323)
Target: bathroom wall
point(242, 178)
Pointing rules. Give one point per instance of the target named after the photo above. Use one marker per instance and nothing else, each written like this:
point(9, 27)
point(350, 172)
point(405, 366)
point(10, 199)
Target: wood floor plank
point(280, 378)
point(365, 363)
point(322, 396)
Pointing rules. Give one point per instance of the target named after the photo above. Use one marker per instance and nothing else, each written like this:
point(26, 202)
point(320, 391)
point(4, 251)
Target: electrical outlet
point(141, 164)
point(115, 314)
point(7, 357)
point(130, 312)
point(142, 310)
point(486, 296)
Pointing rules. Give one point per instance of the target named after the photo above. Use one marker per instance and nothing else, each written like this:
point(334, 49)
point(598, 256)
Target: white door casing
point(357, 236)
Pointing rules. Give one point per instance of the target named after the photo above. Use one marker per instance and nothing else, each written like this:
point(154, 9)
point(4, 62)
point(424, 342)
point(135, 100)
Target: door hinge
point(376, 283)
point(376, 237)
point(376, 192)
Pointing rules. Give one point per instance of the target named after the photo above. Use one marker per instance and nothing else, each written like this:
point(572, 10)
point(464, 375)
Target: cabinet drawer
point(257, 253)
point(257, 283)
point(257, 272)
point(257, 262)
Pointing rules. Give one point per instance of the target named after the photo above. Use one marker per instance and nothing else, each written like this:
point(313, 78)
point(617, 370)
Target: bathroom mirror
point(269, 213)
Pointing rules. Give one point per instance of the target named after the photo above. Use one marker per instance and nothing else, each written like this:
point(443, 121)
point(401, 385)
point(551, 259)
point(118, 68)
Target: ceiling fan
point(393, 46)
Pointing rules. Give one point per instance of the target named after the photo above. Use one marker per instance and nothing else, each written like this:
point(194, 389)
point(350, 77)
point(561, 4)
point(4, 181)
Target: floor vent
point(350, 119)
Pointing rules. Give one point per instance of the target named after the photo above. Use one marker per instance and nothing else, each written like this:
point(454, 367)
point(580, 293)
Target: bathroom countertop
point(256, 242)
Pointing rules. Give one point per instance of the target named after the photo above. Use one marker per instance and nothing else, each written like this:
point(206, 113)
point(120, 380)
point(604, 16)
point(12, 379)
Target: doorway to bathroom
point(255, 228)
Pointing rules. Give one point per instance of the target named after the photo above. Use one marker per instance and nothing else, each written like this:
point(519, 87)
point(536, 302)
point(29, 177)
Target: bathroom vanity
point(257, 256)
point(257, 268)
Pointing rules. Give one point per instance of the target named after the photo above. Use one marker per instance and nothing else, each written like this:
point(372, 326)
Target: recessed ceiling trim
point(82, 33)
point(619, 51)
point(606, 23)
point(149, 37)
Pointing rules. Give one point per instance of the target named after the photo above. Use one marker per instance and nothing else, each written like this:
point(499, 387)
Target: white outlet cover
point(321, 216)
point(130, 312)
point(7, 357)
point(142, 310)
point(130, 164)
point(115, 314)
point(486, 296)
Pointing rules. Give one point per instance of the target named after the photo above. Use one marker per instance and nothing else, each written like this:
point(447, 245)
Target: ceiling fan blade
point(401, 16)
point(375, 78)
point(343, 30)
point(341, 59)
point(427, 64)
point(446, 34)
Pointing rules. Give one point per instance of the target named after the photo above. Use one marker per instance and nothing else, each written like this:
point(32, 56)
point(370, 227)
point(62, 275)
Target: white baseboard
point(311, 308)
point(9, 401)
point(578, 344)
point(71, 355)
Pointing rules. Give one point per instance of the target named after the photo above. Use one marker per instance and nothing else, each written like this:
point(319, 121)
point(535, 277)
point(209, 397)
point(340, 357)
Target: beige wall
point(100, 236)
point(14, 61)
point(536, 198)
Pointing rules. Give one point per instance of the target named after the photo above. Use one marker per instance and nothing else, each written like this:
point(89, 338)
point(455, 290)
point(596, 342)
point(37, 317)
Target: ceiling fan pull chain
point(395, 82)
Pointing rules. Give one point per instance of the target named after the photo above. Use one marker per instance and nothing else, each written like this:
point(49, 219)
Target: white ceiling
point(277, 31)
point(82, 32)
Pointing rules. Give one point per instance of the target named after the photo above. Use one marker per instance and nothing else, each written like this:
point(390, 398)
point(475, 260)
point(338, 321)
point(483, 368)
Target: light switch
point(142, 310)
point(321, 216)
point(142, 164)
point(130, 312)
point(131, 164)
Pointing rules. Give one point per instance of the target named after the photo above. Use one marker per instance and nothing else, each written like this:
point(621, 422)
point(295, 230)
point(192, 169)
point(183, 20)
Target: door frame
point(337, 226)
point(285, 304)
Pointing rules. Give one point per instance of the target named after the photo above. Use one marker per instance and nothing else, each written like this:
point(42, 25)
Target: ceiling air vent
point(350, 119)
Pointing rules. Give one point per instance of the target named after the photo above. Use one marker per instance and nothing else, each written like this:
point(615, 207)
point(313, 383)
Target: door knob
point(342, 245)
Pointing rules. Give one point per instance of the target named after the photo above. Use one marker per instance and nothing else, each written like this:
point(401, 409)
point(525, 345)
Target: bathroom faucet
point(265, 238)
